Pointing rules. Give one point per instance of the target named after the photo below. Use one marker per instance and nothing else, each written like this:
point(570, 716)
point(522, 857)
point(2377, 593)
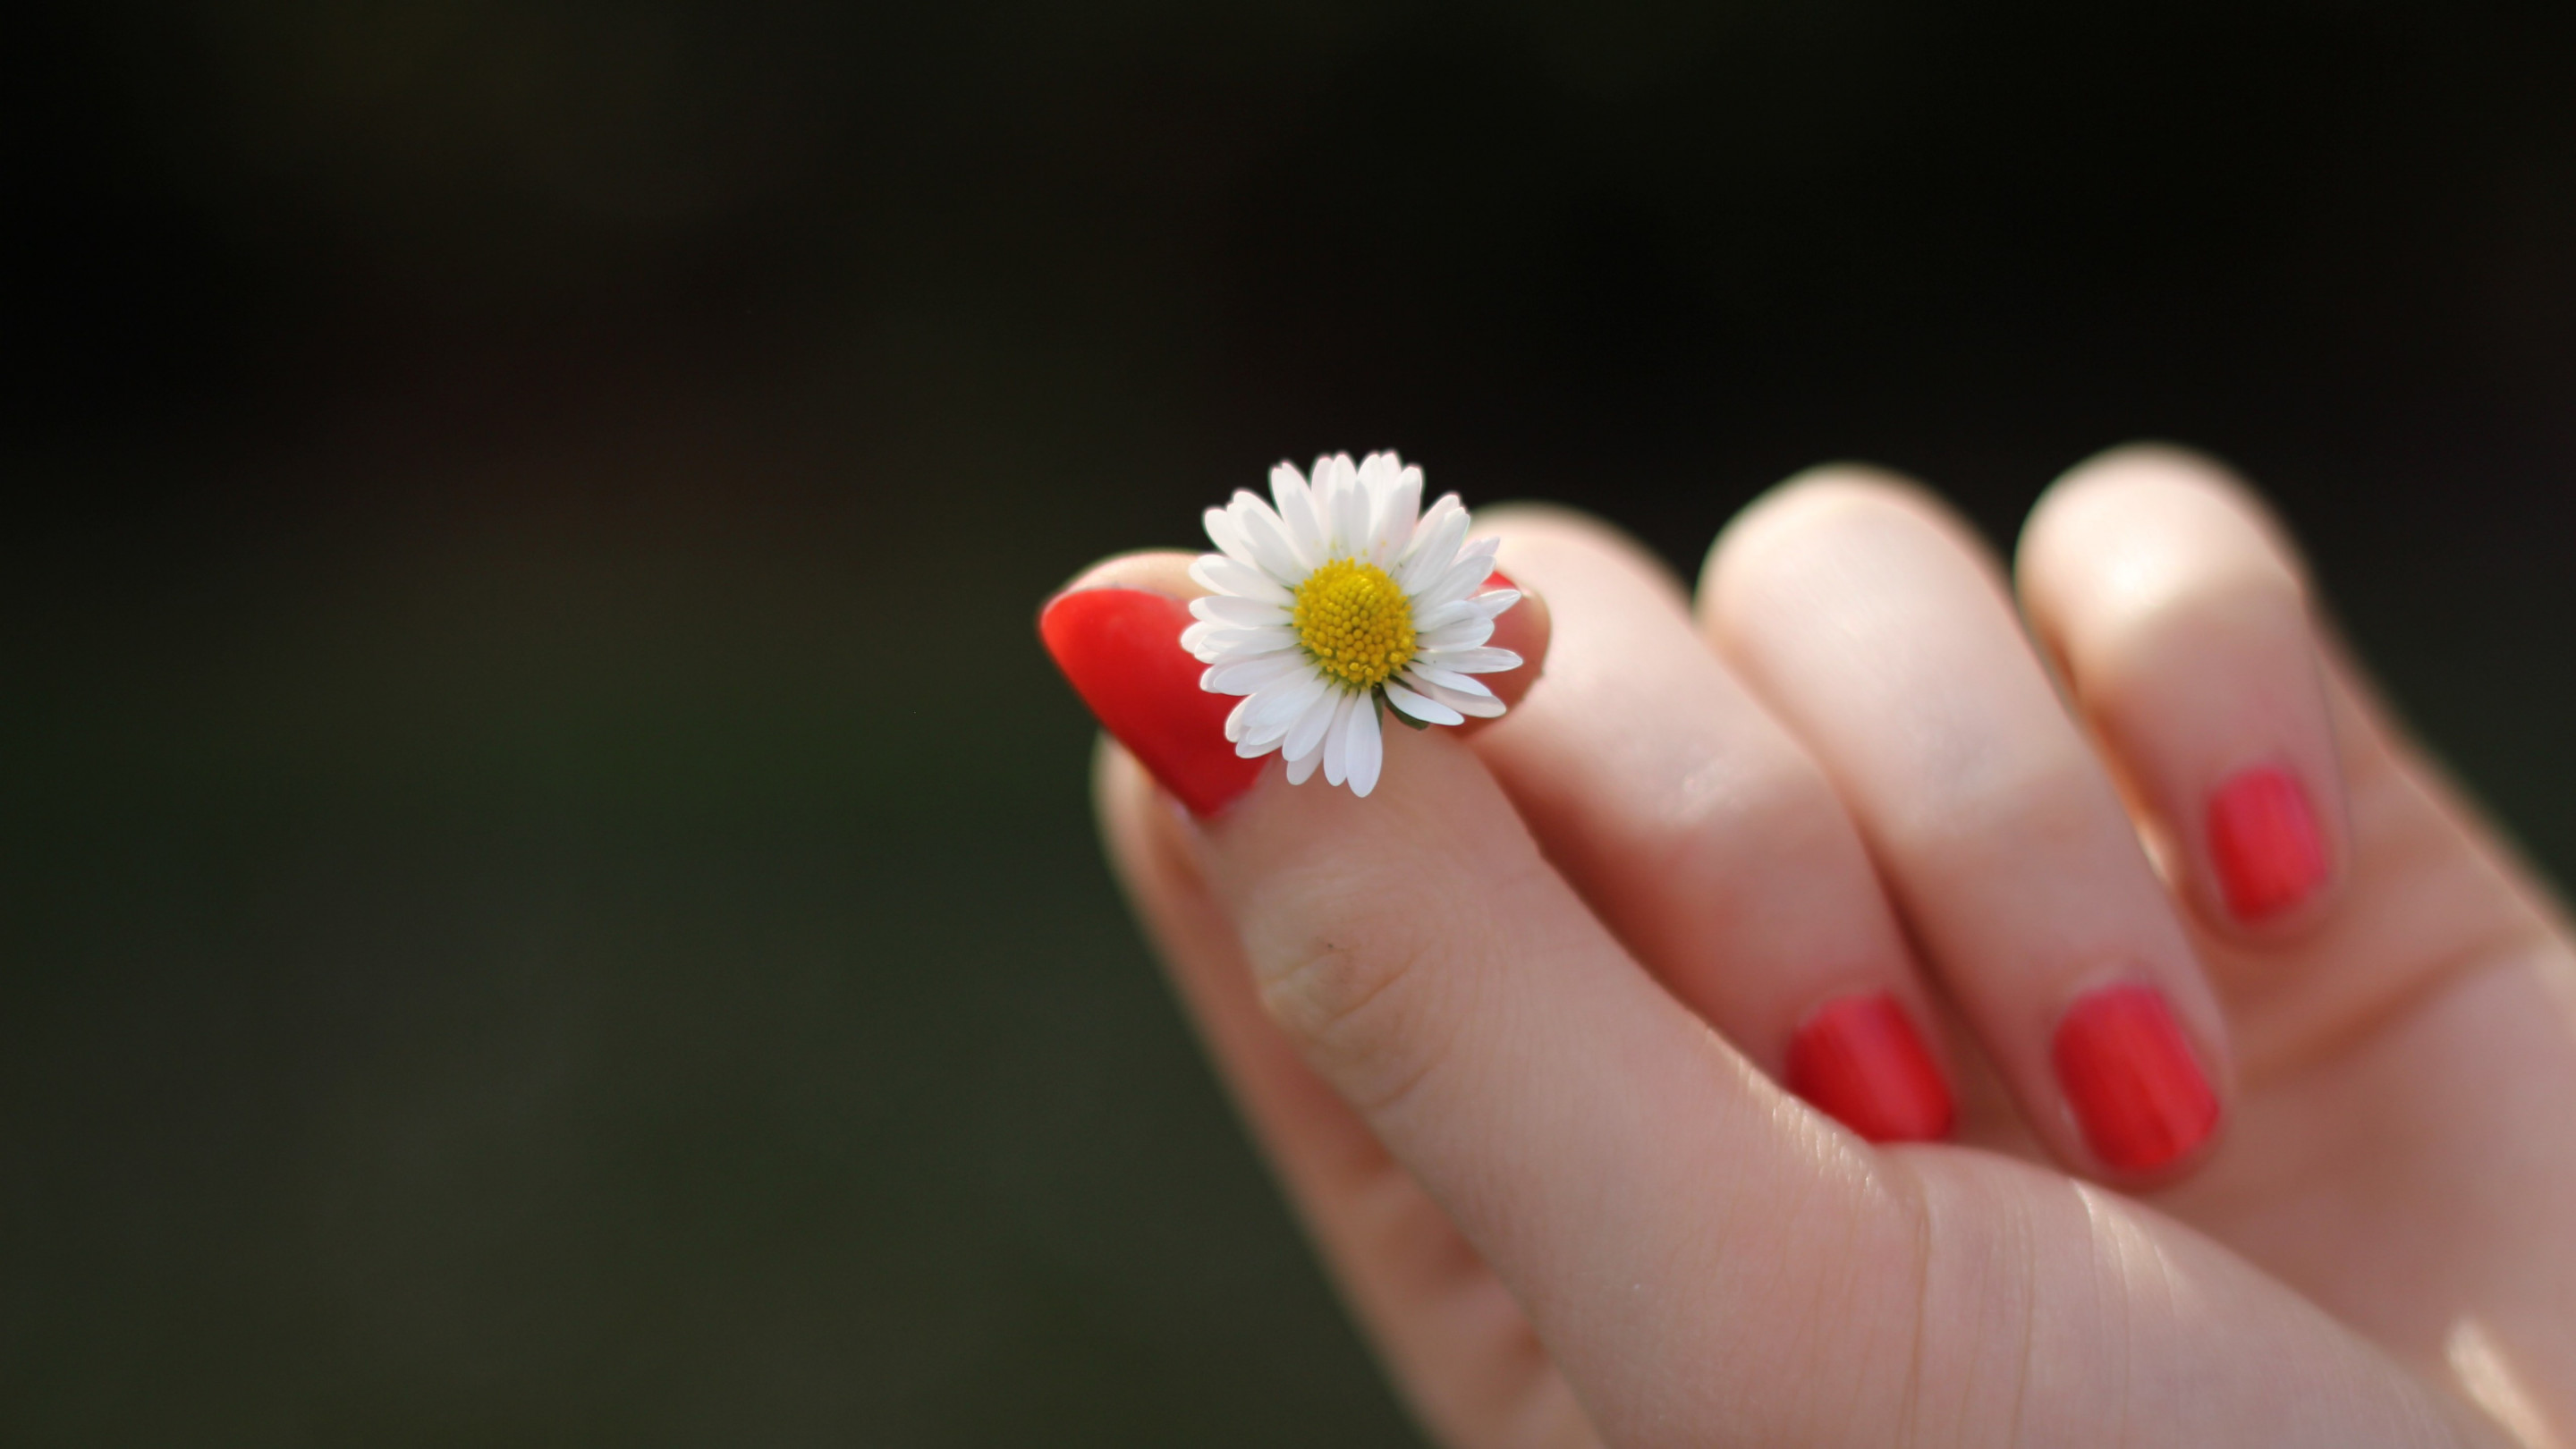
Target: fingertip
point(1155, 570)
point(1823, 501)
point(2156, 462)
point(1115, 632)
point(2100, 501)
point(1824, 484)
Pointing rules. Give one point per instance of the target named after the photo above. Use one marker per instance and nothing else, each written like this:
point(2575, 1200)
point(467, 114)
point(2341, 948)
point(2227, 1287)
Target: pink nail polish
point(1859, 1059)
point(1121, 648)
point(2137, 1089)
point(2264, 841)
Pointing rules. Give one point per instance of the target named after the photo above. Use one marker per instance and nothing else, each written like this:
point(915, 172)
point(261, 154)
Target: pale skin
point(1510, 1028)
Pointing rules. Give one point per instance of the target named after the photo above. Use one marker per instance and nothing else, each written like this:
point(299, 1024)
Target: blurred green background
point(548, 896)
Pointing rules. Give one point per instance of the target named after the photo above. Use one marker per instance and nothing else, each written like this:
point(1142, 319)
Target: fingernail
point(1121, 648)
point(2138, 1092)
point(1859, 1059)
point(2264, 840)
point(1499, 580)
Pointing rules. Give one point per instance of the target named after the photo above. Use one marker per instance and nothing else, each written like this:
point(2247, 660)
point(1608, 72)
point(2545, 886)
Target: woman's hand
point(1514, 1028)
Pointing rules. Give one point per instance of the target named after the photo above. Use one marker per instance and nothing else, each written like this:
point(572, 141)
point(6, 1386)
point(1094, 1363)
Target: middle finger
point(1704, 836)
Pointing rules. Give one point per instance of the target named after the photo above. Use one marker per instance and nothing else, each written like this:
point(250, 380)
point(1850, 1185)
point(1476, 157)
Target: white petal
point(1234, 718)
point(1337, 742)
point(1421, 707)
point(1267, 714)
point(1475, 706)
point(1253, 747)
point(1227, 642)
point(1367, 749)
point(1228, 539)
point(1297, 512)
point(1228, 612)
point(1261, 731)
point(1265, 538)
point(1427, 675)
point(1243, 676)
point(1195, 639)
point(1307, 735)
point(1485, 608)
point(1379, 475)
point(1346, 509)
point(1474, 565)
point(1475, 661)
point(1301, 768)
point(1281, 705)
point(1464, 633)
point(1219, 574)
point(1480, 550)
point(1432, 518)
point(1440, 616)
point(1398, 509)
point(1435, 550)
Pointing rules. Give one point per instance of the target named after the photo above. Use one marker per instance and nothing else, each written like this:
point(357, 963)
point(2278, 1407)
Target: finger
point(1114, 632)
point(2182, 624)
point(1459, 1348)
point(1878, 629)
point(1707, 839)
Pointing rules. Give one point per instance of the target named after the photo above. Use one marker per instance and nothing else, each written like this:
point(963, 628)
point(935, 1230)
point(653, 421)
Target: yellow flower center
point(1355, 621)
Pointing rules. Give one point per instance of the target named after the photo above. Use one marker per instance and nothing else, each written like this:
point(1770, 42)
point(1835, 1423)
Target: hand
point(1513, 1028)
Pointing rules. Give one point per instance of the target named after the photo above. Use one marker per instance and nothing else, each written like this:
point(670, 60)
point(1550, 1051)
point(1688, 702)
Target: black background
point(548, 895)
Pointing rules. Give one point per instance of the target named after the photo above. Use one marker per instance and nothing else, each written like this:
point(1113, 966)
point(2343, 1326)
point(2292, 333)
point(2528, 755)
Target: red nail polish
point(2264, 840)
point(1121, 648)
point(1499, 580)
point(2137, 1090)
point(1859, 1059)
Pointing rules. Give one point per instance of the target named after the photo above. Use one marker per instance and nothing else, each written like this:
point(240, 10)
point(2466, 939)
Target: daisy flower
point(1338, 596)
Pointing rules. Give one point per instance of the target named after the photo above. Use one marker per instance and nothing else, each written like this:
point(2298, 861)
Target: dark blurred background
point(547, 890)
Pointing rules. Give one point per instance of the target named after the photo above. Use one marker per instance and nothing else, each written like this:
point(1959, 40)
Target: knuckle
point(2000, 806)
point(1728, 836)
point(1361, 999)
